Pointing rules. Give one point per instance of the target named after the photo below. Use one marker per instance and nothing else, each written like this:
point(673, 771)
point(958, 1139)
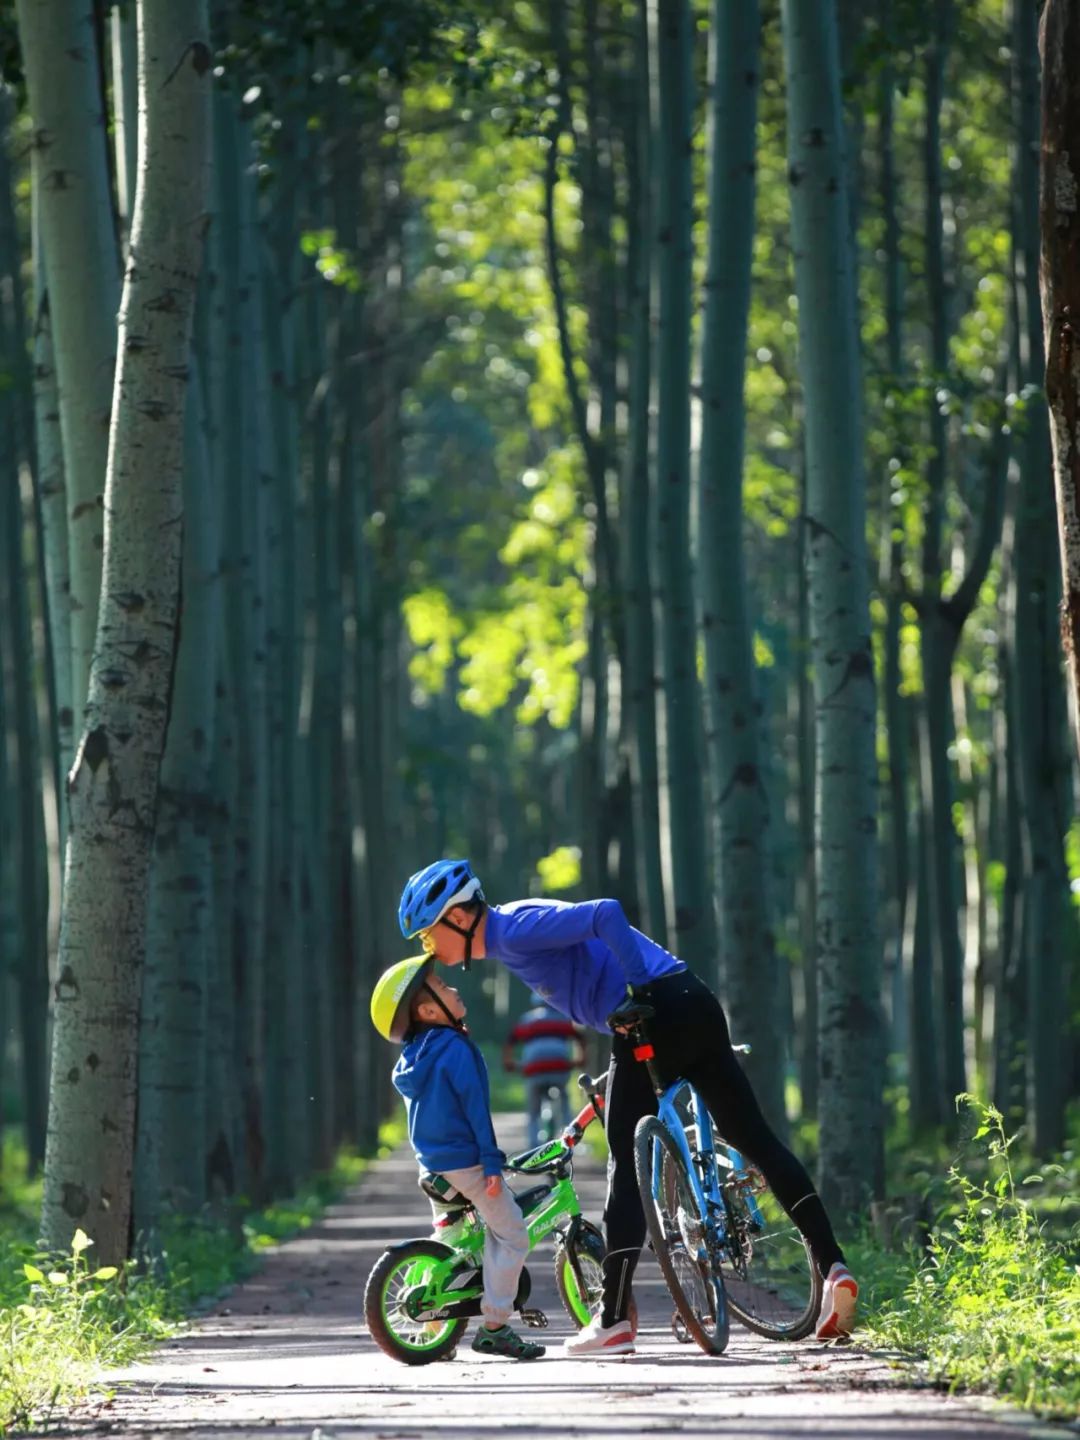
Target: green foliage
point(561, 870)
point(63, 1319)
point(994, 1303)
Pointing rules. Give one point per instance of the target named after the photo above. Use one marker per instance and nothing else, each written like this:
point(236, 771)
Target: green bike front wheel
point(584, 1257)
point(396, 1272)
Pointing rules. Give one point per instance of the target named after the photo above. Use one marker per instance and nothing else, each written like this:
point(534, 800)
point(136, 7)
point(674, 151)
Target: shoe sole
point(841, 1321)
point(622, 1347)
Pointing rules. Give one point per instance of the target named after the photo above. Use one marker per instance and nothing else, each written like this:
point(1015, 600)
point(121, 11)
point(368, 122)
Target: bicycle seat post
point(644, 1052)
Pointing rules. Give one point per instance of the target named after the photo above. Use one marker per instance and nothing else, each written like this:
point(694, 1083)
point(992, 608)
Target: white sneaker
point(450, 1232)
point(837, 1318)
point(596, 1341)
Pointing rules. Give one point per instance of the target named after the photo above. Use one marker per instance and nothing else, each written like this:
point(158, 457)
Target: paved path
point(287, 1355)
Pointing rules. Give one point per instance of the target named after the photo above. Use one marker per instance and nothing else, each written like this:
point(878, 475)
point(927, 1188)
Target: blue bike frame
point(704, 1160)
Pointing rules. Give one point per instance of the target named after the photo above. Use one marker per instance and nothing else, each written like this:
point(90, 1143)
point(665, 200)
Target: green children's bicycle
point(422, 1293)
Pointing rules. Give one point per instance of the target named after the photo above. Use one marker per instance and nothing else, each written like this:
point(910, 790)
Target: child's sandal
point(505, 1342)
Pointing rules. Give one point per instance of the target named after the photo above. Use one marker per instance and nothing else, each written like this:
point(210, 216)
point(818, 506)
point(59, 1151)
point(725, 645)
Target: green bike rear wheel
point(398, 1270)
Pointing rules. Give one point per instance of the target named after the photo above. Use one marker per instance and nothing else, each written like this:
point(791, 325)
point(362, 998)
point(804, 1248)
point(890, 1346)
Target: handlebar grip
point(586, 1083)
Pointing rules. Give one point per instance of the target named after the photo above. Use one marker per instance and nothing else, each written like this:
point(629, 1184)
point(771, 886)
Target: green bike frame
point(439, 1293)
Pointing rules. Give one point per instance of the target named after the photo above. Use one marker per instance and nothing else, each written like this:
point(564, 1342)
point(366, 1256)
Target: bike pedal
point(535, 1319)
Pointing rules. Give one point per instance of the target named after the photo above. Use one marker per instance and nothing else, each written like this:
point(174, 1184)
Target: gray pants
point(506, 1241)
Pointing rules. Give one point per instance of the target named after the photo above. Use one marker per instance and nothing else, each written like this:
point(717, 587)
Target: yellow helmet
point(393, 994)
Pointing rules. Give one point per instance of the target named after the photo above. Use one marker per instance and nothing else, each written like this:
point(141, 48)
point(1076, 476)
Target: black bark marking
point(129, 601)
point(76, 1202)
point(96, 747)
point(92, 1062)
point(73, 1075)
point(67, 987)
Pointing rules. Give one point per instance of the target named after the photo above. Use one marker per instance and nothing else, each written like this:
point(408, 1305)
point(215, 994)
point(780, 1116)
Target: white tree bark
point(72, 198)
point(114, 781)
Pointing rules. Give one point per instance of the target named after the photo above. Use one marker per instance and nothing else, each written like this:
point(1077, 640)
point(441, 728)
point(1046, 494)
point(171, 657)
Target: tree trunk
point(896, 706)
point(171, 1146)
point(639, 678)
point(29, 868)
point(1040, 695)
point(71, 188)
point(1059, 276)
point(733, 710)
point(694, 936)
point(846, 820)
point(114, 782)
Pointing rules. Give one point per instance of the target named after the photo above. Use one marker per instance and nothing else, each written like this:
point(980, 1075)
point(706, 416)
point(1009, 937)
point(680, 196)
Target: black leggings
point(689, 1033)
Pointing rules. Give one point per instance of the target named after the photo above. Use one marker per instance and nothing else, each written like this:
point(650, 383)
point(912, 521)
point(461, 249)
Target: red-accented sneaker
point(837, 1318)
point(596, 1341)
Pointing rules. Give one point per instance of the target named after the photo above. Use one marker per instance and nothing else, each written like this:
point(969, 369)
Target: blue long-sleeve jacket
point(579, 957)
point(444, 1081)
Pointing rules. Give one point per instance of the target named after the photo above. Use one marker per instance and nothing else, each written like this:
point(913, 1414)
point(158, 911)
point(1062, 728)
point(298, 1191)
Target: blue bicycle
point(721, 1238)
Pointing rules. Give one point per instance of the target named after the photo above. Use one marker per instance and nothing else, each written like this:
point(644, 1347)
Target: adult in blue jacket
point(583, 958)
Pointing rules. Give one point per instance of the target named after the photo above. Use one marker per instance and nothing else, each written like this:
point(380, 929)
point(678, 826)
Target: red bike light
point(644, 1052)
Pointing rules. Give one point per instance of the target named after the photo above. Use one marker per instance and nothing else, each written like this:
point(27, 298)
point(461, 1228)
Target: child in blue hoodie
point(443, 1079)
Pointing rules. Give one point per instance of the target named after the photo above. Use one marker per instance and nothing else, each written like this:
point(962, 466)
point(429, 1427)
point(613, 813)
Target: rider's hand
point(493, 1185)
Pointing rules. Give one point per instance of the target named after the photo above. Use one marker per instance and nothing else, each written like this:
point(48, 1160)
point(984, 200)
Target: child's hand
point(493, 1184)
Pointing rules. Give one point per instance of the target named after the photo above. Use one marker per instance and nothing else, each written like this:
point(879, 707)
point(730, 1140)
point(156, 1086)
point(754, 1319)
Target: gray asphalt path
point(287, 1355)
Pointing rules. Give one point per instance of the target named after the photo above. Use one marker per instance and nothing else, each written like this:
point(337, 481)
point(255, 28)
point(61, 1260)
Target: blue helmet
point(431, 892)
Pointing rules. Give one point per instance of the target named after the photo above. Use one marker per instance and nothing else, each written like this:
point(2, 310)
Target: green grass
point(993, 1303)
point(62, 1319)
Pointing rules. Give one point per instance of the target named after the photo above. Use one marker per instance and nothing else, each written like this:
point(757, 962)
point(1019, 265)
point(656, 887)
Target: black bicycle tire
point(588, 1239)
point(649, 1128)
point(378, 1329)
point(797, 1329)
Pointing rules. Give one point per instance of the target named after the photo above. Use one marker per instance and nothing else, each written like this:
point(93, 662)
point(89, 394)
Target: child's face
point(431, 1012)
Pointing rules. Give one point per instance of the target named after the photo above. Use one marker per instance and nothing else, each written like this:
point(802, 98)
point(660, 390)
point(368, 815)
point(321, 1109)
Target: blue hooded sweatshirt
point(444, 1081)
point(580, 958)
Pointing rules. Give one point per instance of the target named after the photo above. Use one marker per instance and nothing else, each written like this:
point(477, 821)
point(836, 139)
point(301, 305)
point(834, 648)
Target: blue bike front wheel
point(678, 1236)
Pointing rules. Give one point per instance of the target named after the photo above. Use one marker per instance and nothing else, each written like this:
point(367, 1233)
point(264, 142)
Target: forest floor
point(286, 1355)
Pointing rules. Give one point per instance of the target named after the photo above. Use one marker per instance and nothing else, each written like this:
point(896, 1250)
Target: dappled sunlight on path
point(287, 1355)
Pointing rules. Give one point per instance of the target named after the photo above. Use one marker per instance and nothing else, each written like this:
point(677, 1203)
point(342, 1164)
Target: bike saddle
point(439, 1189)
point(629, 1014)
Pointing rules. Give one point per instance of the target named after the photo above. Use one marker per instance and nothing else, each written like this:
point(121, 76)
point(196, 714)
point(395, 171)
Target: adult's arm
point(548, 927)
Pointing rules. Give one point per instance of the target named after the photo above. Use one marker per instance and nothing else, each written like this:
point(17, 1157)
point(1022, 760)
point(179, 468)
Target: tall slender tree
point(747, 944)
point(846, 819)
point(114, 781)
point(694, 922)
point(1059, 279)
point(58, 40)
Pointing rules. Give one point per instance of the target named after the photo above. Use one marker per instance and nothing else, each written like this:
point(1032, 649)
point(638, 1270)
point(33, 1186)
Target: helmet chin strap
point(457, 1021)
point(468, 934)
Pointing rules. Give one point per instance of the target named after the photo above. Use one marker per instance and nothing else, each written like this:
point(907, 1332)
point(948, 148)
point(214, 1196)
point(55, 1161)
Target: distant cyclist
point(550, 1050)
point(583, 958)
